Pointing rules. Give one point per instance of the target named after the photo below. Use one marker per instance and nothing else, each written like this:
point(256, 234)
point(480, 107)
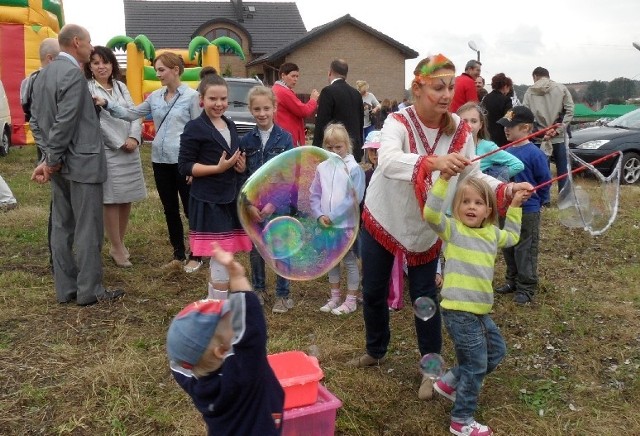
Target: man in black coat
point(342, 103)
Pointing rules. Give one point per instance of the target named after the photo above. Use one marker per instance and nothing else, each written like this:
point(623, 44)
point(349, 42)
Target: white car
point(5, 122)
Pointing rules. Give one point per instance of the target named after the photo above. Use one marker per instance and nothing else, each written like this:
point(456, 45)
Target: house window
point(217, 33)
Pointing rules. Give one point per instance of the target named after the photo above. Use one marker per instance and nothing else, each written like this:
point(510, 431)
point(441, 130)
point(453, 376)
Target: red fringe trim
point(392, 245)
point(503, 200)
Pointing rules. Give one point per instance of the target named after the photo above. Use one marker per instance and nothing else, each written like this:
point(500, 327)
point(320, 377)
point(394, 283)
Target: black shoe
point(521, 298)
point(108, 296)
point(70, 298)
point(507, 288)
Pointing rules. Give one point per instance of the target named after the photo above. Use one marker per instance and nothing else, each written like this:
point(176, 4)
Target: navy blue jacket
point(243, 397)
point(202, 143)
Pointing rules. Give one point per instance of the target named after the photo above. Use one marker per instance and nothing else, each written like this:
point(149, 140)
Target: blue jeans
point(479, 349)
point(258, 276)
point(560, 158)
point(377, 264)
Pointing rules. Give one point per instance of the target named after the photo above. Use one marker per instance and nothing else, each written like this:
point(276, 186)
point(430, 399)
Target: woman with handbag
point(171, 107)
point(125, 181)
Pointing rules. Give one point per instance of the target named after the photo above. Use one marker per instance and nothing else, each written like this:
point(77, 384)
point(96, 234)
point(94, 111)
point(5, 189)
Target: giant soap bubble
point(280, 206)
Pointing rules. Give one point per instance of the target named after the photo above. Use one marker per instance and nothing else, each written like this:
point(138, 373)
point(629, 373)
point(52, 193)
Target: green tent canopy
point(615, 110)
point(583, 111)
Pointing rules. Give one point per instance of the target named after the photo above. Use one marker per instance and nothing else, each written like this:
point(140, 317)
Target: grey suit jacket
point(66, 123)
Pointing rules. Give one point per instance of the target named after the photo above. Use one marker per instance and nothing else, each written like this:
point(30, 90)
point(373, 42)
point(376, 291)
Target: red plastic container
point(299, 375)
point(319, 419)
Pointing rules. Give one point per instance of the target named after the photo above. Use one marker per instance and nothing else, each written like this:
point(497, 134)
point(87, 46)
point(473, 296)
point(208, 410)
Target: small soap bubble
point(279, 212)
point(432, 365)
point(283, 237)
point(424, 308)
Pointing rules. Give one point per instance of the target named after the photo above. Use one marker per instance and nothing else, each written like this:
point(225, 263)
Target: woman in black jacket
point(496, 104)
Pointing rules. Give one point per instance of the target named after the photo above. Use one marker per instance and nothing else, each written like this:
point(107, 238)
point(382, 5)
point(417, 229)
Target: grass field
point(572, 366)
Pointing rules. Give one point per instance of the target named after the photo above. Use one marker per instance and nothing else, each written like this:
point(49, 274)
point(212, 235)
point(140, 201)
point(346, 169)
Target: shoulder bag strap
point(170, 107)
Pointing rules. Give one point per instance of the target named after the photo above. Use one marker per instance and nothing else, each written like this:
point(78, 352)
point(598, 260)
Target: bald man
point(65, 122)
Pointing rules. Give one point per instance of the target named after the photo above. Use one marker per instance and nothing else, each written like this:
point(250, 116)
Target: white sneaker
point(331, 304)
point(344, 309)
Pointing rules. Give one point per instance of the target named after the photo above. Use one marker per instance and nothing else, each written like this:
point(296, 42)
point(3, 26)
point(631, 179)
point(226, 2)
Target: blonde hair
point(362, 85)
point(261, 91)
point(483, 133)
point(484, 190)
point(337, 133)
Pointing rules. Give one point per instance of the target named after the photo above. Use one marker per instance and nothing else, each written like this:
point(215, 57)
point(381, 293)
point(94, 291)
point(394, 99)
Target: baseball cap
point(372, 140)
point(191, 330)
point(515, 116)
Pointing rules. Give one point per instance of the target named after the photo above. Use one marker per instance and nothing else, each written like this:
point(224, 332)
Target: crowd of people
point(420, 152)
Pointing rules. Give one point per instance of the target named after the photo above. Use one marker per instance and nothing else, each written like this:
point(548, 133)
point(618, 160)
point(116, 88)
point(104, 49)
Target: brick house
point(273, 33)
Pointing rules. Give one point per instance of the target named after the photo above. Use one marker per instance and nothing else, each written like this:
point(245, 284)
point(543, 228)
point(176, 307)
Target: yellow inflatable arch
point(24, 24)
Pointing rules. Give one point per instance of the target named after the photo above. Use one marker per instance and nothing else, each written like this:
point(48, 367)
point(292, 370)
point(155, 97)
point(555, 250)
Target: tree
point(574, 95)
point(595, 92)
point(520, 90)
point(621, 89)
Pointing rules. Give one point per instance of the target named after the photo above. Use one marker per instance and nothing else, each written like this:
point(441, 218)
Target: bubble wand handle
point(577, 170)
point(533, 135)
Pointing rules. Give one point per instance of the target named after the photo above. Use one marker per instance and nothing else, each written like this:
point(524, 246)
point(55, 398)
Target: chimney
point(237, 6)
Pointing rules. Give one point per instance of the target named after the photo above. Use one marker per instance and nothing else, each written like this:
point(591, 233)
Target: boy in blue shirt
point(522, 259)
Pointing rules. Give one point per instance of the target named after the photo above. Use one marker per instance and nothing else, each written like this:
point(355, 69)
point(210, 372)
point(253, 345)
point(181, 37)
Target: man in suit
point(340, 102)
point(65, 122)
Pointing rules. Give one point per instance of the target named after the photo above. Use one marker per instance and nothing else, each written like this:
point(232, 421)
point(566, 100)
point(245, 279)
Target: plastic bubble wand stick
point(533, 135)
point(577, 170)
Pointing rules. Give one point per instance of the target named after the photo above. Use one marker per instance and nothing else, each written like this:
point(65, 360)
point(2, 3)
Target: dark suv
point(238, 109)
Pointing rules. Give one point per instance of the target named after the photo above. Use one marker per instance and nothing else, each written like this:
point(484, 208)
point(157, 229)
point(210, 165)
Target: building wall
point(369, 58)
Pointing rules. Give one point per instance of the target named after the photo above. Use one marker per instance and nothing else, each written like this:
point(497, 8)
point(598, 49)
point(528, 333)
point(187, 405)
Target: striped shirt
point(470, 253)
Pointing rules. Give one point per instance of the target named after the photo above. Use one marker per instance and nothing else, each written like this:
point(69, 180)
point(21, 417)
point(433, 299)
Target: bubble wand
point(577, 170)
point(533, 135)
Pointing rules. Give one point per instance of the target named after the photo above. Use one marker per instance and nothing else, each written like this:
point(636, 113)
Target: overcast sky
point(576, 40)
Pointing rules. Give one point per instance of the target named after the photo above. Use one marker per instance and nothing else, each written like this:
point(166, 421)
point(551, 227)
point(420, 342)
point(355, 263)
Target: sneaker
point(507, 288)
point(282, 305)
point(425, 391)
point(472, 429)
point(364, 361)
point(192, 266)
point(521, 298)
point(260, 295)
point(449, 392)
point(331, 304)
point(174, 264)
point(344, 309)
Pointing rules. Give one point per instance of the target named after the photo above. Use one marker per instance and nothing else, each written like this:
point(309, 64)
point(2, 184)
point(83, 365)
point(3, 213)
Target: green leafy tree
point(574, 95)
point(595, 92)
point(621, 89)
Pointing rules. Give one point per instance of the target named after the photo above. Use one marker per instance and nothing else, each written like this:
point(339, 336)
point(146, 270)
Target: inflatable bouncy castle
point(23, 26)
point(141, 76)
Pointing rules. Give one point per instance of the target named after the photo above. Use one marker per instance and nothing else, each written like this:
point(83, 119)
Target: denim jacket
point(173, 115)
point(279, 141)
